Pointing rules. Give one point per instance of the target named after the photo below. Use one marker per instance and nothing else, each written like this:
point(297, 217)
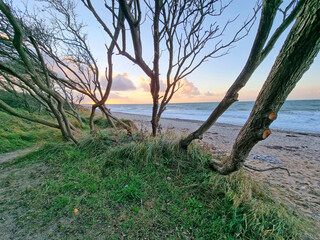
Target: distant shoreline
point(117, 104)
point(295, 115)
point(220, 124)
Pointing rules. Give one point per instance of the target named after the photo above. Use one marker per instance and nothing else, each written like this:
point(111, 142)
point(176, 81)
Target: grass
point(18, 133)
point(19, 100)
point(113, 186)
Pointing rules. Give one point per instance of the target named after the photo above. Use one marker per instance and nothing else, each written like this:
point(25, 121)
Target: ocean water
point(296, 115)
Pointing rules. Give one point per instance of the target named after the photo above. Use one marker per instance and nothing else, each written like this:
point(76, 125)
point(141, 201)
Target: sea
point(295, 115)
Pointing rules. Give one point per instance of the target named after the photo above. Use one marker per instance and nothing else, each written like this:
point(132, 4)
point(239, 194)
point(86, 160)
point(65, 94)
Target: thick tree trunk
point(258, 53)
point(91, 124)
point(155, 81)
point(104, 111)
point(154, 120)
point(108, 115)
point(297, 54)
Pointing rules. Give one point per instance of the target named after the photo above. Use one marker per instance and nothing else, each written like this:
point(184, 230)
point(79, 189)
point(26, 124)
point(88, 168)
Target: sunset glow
point(208, 83)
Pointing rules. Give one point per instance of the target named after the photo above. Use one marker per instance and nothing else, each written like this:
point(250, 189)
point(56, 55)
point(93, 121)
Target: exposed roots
point(267, 169)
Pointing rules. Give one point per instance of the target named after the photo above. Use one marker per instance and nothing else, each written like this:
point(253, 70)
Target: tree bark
point(258, 53)
point(297, 54)
point(43, 90)
point(155, 81)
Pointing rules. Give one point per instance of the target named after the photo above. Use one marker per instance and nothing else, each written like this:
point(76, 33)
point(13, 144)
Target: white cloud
point(115, 95)
point(209, 94)
point(121, 82)
point(188, 88)
point(145, 84)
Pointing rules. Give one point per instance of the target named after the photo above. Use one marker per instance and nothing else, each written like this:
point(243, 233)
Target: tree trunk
point(154, 118)
point(44, 91)
point(259, 51)
point(155, 81)
point(297, 54)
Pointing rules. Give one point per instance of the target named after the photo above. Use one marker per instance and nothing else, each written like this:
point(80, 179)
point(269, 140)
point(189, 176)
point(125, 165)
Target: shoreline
point(314, 134)
point(299, 152)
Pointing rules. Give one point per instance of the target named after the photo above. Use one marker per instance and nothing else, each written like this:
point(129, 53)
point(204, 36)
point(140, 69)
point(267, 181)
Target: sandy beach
point(298, 152)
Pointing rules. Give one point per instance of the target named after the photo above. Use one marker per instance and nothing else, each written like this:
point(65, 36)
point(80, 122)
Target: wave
point(295, 115)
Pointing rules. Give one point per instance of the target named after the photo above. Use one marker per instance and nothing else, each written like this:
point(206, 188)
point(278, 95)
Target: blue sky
point(211, 80)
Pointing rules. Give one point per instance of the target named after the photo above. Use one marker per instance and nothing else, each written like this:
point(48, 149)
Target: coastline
point(297, 151)
point(145, 117)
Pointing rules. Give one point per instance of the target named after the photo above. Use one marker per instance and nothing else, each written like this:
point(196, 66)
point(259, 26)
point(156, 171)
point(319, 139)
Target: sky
point(210, 81)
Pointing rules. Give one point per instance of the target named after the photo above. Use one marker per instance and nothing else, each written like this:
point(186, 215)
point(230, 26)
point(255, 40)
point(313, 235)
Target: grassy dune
point(113, 186)
point(17, 133)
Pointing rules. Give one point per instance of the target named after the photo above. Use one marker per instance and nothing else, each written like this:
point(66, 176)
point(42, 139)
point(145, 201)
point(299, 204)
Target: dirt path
point(5, 157)
point(15, 179)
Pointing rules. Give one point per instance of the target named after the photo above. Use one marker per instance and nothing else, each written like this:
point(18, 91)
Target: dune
point(296, 151)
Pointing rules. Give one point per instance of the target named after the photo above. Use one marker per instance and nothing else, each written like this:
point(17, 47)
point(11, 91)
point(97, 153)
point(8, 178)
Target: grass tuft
point(102, 122)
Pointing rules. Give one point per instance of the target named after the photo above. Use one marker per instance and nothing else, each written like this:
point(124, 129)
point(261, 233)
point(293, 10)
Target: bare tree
point(66, 46)
point(179, 32)
point(21, 94)
point(22, 64)
point(297, 54)
point(263, 44)
point(73, 100)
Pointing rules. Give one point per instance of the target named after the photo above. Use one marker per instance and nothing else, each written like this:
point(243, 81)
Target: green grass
point(17, 133)
point(135, 188)
point(101, 122)
point(19, 100)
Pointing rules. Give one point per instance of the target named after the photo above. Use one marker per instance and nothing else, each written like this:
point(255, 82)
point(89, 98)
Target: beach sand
point(296, 151)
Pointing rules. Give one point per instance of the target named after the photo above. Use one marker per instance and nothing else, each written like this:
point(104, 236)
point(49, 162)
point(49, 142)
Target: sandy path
point(298, 152)
point(5, 157)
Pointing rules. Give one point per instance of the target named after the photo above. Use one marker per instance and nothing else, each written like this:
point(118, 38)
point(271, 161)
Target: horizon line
point(195, 102)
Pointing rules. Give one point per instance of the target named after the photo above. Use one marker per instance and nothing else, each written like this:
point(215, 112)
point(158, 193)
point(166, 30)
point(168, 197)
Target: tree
point(179, 32)
point(22, 64)
point(263, 44)
point(296, 55)
point(66, 46)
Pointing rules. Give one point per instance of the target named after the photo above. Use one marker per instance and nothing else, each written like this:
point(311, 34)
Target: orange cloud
point(144, 84)
point(188, 88)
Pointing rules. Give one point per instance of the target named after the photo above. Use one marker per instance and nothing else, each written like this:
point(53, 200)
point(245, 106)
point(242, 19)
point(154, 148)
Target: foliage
point(135, 188)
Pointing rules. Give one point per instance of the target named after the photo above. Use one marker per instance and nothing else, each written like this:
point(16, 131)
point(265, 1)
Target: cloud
point(145, 84)
point(188, 88)
point(209, 94)
point(115, 95)
point(121, 82)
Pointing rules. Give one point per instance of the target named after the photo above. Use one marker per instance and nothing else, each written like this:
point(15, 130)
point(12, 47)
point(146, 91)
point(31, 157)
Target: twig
point(267, 169)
